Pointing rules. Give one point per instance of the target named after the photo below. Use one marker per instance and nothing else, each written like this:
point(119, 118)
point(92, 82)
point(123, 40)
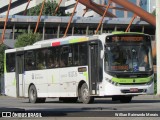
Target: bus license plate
point(133, 89)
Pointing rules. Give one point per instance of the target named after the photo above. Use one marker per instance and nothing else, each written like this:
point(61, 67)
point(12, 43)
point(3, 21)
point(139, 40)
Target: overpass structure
point(54, 27)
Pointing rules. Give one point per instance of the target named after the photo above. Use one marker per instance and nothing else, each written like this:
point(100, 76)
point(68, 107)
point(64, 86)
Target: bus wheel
point(125, 99)
point(33, 94)
point(84, 94)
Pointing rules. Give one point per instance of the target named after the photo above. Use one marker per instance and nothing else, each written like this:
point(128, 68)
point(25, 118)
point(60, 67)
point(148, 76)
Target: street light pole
point(157, 44)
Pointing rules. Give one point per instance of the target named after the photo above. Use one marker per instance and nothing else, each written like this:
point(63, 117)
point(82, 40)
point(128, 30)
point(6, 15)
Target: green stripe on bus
point(132, 80)
point(83, 39)
point(121, 32)
point(14, 82)
point(86, 75)
point(74, 40)
point(5, 70)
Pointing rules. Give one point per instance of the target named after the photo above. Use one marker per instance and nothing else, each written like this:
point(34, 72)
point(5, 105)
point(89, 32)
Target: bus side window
point(29, 60)
point(29, 65)
point(40, 59)
point(70, 55)
point(83, 54)
point(75, 55)
point(52, 57)
point(56, 57)
point(66, 56)
point(63, 56)
point(10, 62)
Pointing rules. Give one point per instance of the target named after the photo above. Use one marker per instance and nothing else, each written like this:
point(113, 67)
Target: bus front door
point(19, 74)
point(93, 68)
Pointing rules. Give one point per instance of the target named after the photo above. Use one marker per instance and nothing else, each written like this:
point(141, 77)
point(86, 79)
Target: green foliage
point(2, 49)
point(48, 10)
point(155, 83)
point(27, 39)
point(154, 12)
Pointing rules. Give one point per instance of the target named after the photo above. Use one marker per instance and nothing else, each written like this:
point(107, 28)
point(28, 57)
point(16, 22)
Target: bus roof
point(65, 40)
point(121, 32)
point(54, 42)
point(50, 41)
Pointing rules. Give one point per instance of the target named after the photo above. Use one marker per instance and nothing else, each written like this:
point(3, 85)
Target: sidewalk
point(148, 97)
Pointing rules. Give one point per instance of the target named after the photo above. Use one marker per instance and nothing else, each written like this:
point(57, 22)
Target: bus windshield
point(128, 56)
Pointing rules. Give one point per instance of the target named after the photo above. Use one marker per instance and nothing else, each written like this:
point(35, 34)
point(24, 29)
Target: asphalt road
point(102, 107)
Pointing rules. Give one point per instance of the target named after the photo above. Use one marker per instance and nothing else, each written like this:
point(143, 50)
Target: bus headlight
point(150, 82)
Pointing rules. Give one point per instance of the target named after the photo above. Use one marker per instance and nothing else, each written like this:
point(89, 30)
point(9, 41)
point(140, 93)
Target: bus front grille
point(138, 91)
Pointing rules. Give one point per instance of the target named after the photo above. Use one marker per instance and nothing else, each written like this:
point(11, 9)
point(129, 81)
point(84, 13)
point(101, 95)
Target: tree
point(27, 39)
point(48, 10)
point(154, 12)
point(2, 49)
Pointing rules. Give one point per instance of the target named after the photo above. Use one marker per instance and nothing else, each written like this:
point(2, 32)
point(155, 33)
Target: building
point(18, 6)
point(69, 4)
point(62, 3)
point(147, 5)
point(54, 27)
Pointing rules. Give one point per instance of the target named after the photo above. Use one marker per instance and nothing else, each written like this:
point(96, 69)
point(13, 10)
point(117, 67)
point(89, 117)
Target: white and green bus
point(117, 65)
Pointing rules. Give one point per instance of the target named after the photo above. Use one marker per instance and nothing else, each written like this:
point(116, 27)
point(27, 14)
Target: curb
point(149, 96)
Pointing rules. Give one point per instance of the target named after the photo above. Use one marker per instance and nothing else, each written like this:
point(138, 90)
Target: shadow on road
point(145, 101)
point(57, 112)
point(50, 107)
point(132, 102)
point(101, 101)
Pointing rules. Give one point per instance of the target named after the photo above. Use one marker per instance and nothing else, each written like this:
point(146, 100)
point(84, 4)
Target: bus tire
point(33, 94)
point(84, 94)
point(125, 99)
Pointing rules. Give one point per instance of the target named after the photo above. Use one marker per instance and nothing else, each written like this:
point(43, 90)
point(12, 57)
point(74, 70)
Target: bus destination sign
point(127, 38)
point(124, 67)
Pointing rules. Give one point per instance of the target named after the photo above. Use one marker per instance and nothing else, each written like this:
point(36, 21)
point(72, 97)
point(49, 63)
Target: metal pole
point(143, 29)
point(25, 12)
point(115, 28)
point(101, 28)
point(5, 24)
point(158, 44)
point(137, 10)
point(70, 19)
point(72, 30)
point(134, 16)
point(95, 7)
point(58, 31)
point(57, 8)
point(85, 11)
point(112, 7)
point(44, 31)
point(39, 18)
point(103, 16)
point(13, 32)
point(87, 30)
point(29, 28)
